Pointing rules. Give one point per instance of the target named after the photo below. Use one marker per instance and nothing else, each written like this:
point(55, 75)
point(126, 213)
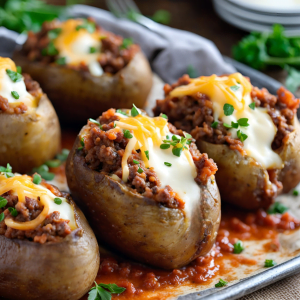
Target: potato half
point(28, 140)
point(138, 226)
point(78, 96)
point(52, 271)
point(244, 182)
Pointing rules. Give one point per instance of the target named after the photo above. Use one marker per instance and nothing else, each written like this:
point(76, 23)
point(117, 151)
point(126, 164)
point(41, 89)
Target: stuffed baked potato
point(84, 69)
point(48, 250)
point(252, 135)
point(30, 131)
point(146, 189)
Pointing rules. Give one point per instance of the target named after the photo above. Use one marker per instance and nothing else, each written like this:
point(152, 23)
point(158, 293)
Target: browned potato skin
point(244, 182)
point(78, 96)
point(138, 226)
point(52, 271)
point(28, 140)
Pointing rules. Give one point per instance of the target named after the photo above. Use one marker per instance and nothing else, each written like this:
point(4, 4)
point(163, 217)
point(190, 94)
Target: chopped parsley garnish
point(221, 283)
point(19, 69)
point(147, 154)
point(57, 201)
point(164, 116)
point(191, 71)
point(14, 76)
point(243, 122)
point(54, 163)
point(50, 49)
point(134, 111)
point(127, 134)
point(295, 193)
point(136, 162)
point(252, 105)
point(238, 247)
point(277, 208)
point(54, 33)
point(97, 123)
point(242, 136)
point(63, 155)
point(177, 143)
point(89, 26)
point(43, 170)
point(3, 202)
point(227, 125)
point(126, 43)
point(120, 111)
point(234, 88)
point(93, 49)
point(188, 136)
point(7, 171)
point(12, 211)
point(167, 164)
point(37, 179)
point(61, 61)
point(140, 170)
point(165, 146)
point(81, 143)
point(214, 124)
point(103, 291)
point(15, 94)
point(270, 263)
point(228, 109)
point(177, 151)
point(2, 217)
point(234, 125)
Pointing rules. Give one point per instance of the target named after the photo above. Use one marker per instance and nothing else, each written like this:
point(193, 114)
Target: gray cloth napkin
point(170, 51)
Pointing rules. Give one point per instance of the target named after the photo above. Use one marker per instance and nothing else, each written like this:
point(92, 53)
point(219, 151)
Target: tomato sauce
point(142, 281)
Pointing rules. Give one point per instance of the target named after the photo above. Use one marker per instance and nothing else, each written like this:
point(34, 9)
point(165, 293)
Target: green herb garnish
point(127, 134)
point(140, 170)
point(103, 291)
point(270, 263)
point(214, 124)
point(177, 143)
point(162, 16)
point(295, 193)
point(227, 125)
point(93, 49)
point(19, 69)
point(63, 155)
point(164, 116)
point(57, 201)
point(167, 164)
point(81, 143)
point(54, 33)
point(147, 154)
point(242, 136)
point(14, 76)
point(43, 170)
point(127, 42)
point(2, 216)
point(238, 247)
point(252, 105)
point(234, 125)
point(191, 71)
point(54, 163)
point(134, 111)
point(61, 61)
point(177, 151)
point(136, 162)
point(50, 49)
point(221, 283)
point(234, 88)
point(37, 179)
point(7, 171)
point(243, 122)
point(15, 94)
point(228, 109)
point(277, 208)
point(3, 202)
point(120, 111)
point(13, 211)
point(87, 25)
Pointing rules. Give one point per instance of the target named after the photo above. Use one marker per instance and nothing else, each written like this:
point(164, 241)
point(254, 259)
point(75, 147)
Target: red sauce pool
point(140, 280)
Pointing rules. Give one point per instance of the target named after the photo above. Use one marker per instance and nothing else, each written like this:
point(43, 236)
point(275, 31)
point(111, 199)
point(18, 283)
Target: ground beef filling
point(113, 57)
point(32, 88)
point(194, 114)
point(53, 229)
point(104, 149)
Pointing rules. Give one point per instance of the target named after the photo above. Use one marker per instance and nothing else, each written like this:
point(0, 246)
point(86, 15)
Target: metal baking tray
point(247, 285)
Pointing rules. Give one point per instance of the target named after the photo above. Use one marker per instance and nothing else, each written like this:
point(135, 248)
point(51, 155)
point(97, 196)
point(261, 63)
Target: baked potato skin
point(244, 182)
point(139, 226)
point(28, 140)
point(52, 271)
point(78, 96)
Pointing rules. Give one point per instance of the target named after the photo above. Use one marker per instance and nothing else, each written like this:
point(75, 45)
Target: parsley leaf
point(293, 79)
point(214, 124)
point(140, 170)
point(167, 164)
point(93, 49)
point(127, 134)
point(7, 171)
point(54, 33)
point(238, 247)
point(2, 216)
point(295, 193)
point(243, 122)
point(277, 208)
point(221, 283)
point(61, 61)
point(14, 76)
point(228, 109)
point(162, 16)
point(13, 211)
point(164, 116)
point(147, 154)
point(127, 42)
point(191, 71)
point(43, 170)
point(270, 263)
point(234, 88)
point(57, 201)
point(3, 202)
point(165, 146)
point(63, 155)
point(242, 136)
point(50, 49)
point(37, 179)
point(15, 95)
point(120, 111)
point(87, 25)
point(252, 105)
point(134, 111)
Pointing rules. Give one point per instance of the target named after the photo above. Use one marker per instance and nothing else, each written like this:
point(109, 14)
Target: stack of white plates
point(260, 15)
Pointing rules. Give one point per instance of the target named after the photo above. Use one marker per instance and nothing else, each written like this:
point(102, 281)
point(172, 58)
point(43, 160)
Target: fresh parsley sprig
point(43, 170)
point(177, 143)
point(7, 171)
point(103, 291)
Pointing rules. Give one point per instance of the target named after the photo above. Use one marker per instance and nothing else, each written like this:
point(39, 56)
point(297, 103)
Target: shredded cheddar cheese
point(22, 186)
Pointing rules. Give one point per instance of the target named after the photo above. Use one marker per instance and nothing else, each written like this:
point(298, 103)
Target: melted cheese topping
point(74, 45)
point(261, 130)
point(22, 186)
point(7, 85)
point(148, 135)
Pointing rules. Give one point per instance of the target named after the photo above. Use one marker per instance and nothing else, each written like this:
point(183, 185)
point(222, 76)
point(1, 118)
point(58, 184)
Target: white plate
point(259, 17)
